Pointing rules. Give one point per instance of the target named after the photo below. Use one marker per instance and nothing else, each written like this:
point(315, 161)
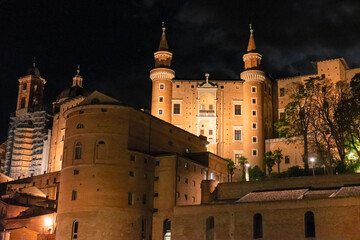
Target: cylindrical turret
point(161, 77)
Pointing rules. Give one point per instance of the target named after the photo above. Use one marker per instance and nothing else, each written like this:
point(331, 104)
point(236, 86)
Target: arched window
point(167, 229)
point(210, 228)
point(78, 151)
point(258, 227)
point(80, 125)
point(74, 232)
point(309, 224)
point(100, 150)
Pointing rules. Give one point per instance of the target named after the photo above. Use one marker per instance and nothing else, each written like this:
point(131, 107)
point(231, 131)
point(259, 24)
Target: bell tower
point(161, 77)
point(31, 90)
point(254, 90)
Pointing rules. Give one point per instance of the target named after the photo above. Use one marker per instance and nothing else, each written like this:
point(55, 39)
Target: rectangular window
point(143, 229)
point(237, 135)
point(185, 196)
point(253, 89)
point(202, 107)
point(186, 181)
point(130, 198)
point(282, 92)
point(76, 172)
point(287, 159)
point(237, 157)
point(210, 107)
point(156, 194)
point(253, 100)
point(237, 109)
point(161, 86)
point(144, 199)
point(160, 112)
point(254, 152)
point(47, 181)
point(132, 158)
point(253, 113)
point(254, 139)
point(193, 199)
point(74, 234)
point(131, 174)
point(176, 108)
point(157, 163)
point(161, 99)
point(211, 176)
point(73, 195)
point(202, 132)
point(210, 132)
point(254, 125)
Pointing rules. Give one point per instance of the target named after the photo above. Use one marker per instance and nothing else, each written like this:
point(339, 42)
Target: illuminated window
point(161, 99)
point(237, 135)
point(282, 92)
point(176, 108)
point(73, 195)
point(167, 229)
point(309, 225)
point(211, 176)
point(253, 89)
point(160, 112)
point(257, 226)
point(237, 108)
point(161, 86)
point(78, 150)
point(74, 233)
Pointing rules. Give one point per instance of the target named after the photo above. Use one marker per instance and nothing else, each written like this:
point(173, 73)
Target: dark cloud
point(114, 41)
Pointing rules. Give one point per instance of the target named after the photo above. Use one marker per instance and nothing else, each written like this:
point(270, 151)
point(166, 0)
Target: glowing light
point(48, 222)
point(312, 160)
point(247, 165)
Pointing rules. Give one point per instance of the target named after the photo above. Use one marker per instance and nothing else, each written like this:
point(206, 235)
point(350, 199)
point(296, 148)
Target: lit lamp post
point(312, 160)
point(247, 165)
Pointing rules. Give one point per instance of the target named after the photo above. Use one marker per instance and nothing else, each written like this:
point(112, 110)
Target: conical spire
point(251, 45)
point(163, 46)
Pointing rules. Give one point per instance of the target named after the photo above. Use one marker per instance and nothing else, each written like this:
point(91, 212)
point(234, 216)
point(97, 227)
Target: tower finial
point(207, 75)
point(251, 30)
point(78, 70)
point(34, 61)
point(163, 27)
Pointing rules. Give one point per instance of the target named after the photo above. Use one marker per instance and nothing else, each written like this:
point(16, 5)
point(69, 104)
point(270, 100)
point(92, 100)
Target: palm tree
point(242, 160)
point(277, 155)
point(269, 161)
point(230, 169)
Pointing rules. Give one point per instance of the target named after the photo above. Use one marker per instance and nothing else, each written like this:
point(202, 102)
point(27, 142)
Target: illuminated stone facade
point(124, 170)
point(236, 116)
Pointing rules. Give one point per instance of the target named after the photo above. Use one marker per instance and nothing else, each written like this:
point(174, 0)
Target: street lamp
point(247, 165)
point(312, 160)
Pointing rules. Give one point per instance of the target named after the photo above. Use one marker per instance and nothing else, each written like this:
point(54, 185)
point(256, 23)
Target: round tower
point(253, 89)
point(161, 77)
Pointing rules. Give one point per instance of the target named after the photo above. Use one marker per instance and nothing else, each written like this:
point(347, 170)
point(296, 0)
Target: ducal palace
point(94, 168)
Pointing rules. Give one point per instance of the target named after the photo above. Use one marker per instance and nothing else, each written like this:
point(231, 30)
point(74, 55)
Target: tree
point(269, 161)
point(298, 114)
point(242, 161)
point(230, 169)
point(278, 156)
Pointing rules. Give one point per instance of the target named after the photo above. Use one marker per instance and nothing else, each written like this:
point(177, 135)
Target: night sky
point(114, 41)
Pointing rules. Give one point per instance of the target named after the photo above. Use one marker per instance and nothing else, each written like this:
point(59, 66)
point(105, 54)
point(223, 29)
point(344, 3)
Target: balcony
point(206, 113)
